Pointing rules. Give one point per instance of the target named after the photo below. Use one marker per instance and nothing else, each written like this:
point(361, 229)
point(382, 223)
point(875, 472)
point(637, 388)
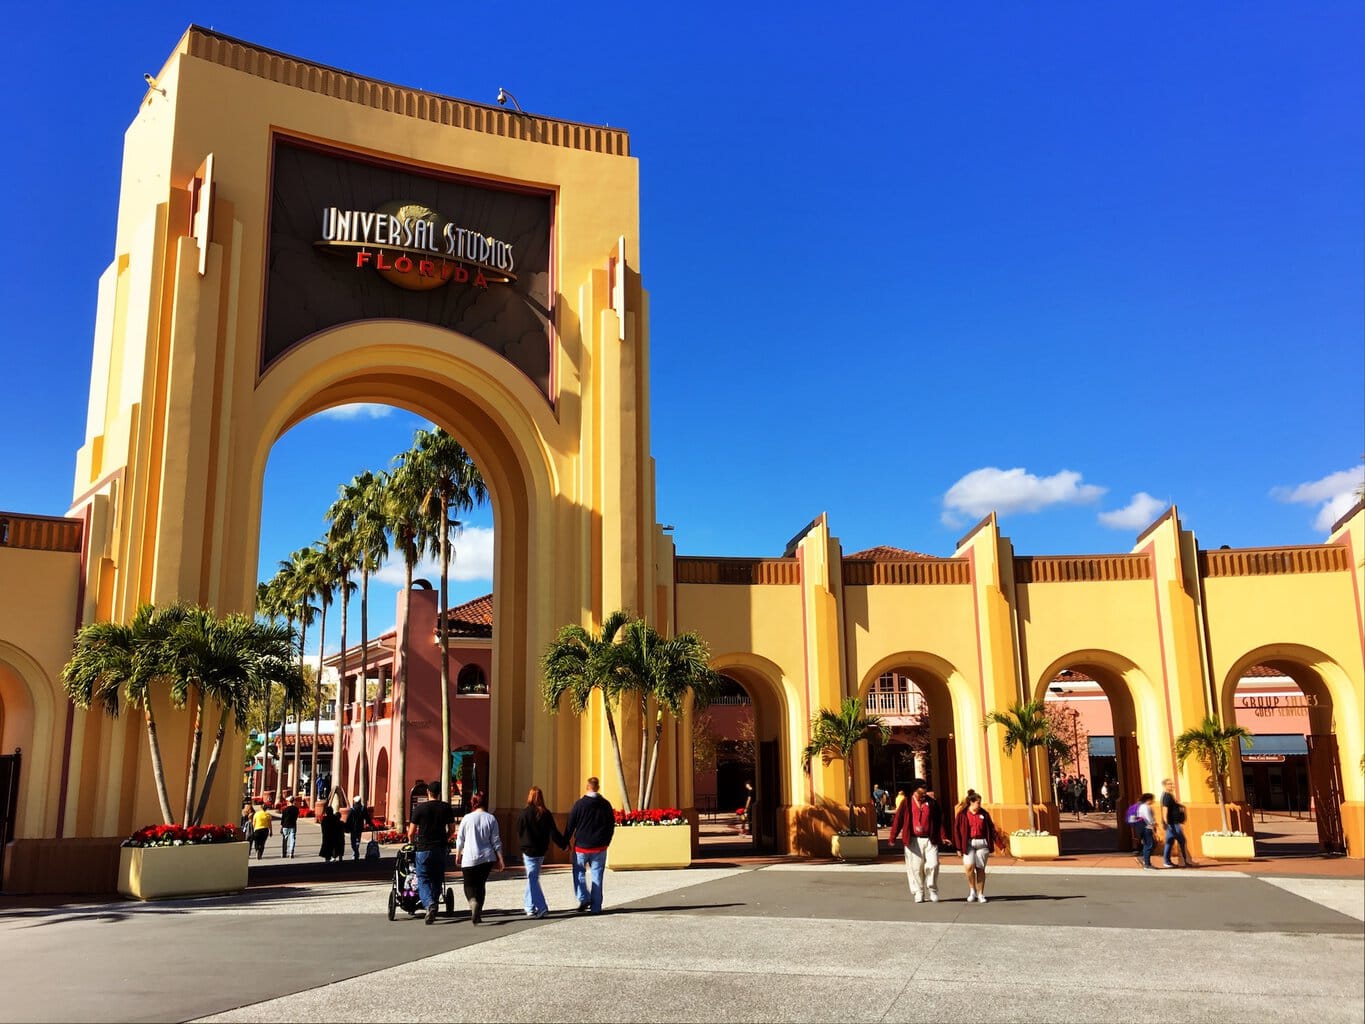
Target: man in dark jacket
point(592, 822)
point(919, 826)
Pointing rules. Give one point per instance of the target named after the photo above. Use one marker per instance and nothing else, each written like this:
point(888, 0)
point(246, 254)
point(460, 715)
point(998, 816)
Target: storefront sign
point(1272, 706)
point(1262, 759)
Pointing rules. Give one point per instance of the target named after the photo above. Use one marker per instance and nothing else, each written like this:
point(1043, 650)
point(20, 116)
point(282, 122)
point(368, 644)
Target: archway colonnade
point(1164, 631)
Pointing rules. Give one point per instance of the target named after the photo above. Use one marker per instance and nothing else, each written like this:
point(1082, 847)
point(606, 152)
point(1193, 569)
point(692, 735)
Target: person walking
point(289, 829)
point(591, 825)
point(262, 824)
point(749, 808)
point(333, 836)
point(1173, 818)
point(355, 825)
point(974, 835)
point(918, 826)
point(478, 846)
point(429, 831)
point(535, 828)
point(1144, 824)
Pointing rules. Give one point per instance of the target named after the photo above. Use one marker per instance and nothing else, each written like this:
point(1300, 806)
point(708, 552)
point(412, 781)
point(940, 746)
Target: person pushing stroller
point(430, 831)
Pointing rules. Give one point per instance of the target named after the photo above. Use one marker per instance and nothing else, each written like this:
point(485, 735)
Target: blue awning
point(1276, 743)
point(1101, 746)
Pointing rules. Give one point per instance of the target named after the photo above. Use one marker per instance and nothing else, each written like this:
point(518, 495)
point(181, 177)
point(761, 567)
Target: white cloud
point(357, 411)
point(471, 559)
point(1008, 491)
point(1136, 514)
point(1334, 493)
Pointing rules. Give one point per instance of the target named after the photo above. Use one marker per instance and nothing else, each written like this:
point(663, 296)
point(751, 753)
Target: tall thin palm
point(362, 517)
point(402, 498)
point(322, 565)
point(579, 661)
point(450, 482)
point(1027, 728)
point(1210, 743)
point(304, 590)
point(344, 559)
point(834, 735)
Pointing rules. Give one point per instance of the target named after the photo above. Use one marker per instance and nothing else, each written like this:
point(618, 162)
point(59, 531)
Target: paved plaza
point(749, 942)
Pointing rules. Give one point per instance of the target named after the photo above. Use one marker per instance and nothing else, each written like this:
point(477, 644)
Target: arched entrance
point(1096, 769)
point(1299, 760)
point(751, 724)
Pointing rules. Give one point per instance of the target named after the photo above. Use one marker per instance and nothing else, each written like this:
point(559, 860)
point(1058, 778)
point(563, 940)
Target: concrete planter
point(1033, 847)
point(646, 847)
point(164, 872)
point(853, 847)
point(1228, 847)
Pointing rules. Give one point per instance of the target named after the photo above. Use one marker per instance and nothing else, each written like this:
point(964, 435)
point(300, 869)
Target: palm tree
point(402, 498)
point(835, 734)
point(304, 589)
point(275, 600)
point(361, 516)
point(662, 673)
point(115, 662)
point(576, 663)
point(322, 565)
point(344, 559)
point(1210, 743)
point(449, 481)
point(224, 661)
point(1026, 727)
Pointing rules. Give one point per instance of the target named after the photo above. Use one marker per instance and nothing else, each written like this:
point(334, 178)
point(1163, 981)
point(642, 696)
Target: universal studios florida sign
point(414, 247)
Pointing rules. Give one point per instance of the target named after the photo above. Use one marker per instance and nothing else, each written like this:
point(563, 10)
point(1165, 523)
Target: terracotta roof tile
point(882, 553)
point(473, 618)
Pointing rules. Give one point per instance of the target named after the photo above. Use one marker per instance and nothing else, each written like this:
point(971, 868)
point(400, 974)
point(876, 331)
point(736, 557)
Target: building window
point(471, 680)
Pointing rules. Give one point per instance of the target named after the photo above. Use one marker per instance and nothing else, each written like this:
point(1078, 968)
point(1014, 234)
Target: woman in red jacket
point(974, 835)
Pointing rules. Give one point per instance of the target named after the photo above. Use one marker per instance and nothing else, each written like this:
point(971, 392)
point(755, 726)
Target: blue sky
point(1068, 261)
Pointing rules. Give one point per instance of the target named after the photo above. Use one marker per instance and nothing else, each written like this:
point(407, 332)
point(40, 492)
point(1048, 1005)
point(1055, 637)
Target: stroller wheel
point(393, 904)
point(450, 902)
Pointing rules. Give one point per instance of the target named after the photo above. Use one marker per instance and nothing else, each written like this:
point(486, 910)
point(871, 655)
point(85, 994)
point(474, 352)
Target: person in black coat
point(592, 823)
point(333, 836)
point(355, 825)
point(535, 828)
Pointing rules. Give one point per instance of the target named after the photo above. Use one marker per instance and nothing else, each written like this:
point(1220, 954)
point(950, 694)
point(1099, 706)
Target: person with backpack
point(1173, 817)
point(1143, 821)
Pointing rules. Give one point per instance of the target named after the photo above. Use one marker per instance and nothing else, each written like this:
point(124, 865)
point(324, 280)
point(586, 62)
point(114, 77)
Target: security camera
point(502, 95)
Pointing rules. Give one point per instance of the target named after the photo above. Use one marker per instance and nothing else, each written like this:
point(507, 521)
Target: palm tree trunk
point(653, 761)
point(848, 788)
point(196, 743)
point(298, 707)
point(401, 698)
point(364, 684)
point(211, 770)
point(616, 749)
point(317, 708)
point(158, 770)
point(337, 779)
point(445, 647)
point(641, 802)
point(1218, 792)
point(1028, 789)
point(265, 746)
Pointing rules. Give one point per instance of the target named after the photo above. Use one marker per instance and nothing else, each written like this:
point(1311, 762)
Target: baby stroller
point(404, 892)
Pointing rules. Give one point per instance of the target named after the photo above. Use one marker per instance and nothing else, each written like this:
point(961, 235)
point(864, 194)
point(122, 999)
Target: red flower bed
point(180, 835)
point(659, 816)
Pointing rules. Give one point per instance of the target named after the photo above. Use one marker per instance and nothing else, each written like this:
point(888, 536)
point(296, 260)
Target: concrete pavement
point(788, 941)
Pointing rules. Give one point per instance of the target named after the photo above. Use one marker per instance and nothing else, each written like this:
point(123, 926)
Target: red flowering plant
point(391, 836)
point(181, 835)
point(661, 816)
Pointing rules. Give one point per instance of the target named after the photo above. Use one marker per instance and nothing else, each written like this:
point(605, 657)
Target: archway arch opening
point(1290, 772)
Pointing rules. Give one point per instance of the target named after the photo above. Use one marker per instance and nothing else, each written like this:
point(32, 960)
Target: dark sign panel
point(352, 240)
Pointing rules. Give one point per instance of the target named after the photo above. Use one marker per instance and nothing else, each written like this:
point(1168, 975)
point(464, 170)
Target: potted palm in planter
point(1210, 743)
point(208, 665)
point(629, 660)
point(1027, 729)
point(834, 735)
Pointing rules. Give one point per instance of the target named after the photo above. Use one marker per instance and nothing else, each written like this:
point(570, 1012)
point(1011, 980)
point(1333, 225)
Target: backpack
point(372, 850)
point(1133, 816)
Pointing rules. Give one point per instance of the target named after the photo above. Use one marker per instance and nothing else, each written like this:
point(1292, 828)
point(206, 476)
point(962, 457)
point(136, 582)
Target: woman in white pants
point(974, 835)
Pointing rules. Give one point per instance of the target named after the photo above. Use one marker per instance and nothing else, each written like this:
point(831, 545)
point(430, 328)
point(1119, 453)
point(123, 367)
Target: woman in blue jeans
point(535, 828)
point(1144, 829)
